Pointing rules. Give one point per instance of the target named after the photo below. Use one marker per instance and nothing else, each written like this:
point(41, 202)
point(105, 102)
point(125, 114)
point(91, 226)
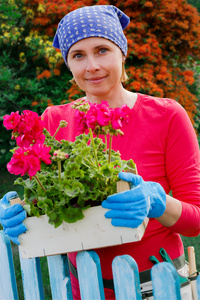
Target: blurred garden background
point(163, 61)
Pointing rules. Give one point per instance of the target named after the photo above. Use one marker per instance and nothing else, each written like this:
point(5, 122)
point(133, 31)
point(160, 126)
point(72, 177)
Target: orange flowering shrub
point(161, 35)
point(56, 72)
point(44, 74)
point(74, 92)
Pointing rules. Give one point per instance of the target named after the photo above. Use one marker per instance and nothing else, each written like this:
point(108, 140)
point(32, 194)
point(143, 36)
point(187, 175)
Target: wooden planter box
point(94, 231)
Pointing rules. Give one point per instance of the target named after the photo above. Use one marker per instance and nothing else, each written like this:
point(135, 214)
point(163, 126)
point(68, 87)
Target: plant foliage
point(163, 42)
point(67, 177)
point(82, 184)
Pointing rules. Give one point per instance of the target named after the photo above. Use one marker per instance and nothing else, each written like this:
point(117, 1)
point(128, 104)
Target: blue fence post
point(59, 277)
point(165, 282)
point(32, 278)
point(126, 278)
point(8, 286)
point(90, 276)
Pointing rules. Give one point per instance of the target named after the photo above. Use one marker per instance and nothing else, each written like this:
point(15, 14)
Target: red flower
point(120, 117)
point(100, 115)
point(28, 160)
point(27, 127)
point(42, 152)
point(11, 121)
point(33, 165)
point(17, 164)
point(81, 120)
point(91, 116)
point(104, 114)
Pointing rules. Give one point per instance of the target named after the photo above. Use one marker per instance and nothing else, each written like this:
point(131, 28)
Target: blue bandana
point(105, 21)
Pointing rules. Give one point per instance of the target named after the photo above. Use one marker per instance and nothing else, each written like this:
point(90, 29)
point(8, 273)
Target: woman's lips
point(96, 79)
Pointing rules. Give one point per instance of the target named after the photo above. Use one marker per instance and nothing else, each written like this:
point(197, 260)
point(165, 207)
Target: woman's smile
point(96, 80)
point(96, 64)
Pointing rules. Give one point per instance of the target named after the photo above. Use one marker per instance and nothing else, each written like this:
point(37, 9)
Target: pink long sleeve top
point(161, 140)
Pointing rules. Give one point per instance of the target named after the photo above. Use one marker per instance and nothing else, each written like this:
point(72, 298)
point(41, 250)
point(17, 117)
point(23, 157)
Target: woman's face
point(96, 64)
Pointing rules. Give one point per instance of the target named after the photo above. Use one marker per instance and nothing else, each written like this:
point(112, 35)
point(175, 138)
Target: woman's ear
point(72, 81)
point(124, 75)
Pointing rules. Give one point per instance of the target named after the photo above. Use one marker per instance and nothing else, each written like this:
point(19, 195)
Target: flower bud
point(63, 124)
point(59, 155)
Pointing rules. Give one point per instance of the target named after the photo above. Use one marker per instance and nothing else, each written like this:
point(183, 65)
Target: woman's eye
point(77, 55)
point(103, 50)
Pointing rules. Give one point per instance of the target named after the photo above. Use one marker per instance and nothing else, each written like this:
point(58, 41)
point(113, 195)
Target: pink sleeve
point(183, 169)
point(189, 221)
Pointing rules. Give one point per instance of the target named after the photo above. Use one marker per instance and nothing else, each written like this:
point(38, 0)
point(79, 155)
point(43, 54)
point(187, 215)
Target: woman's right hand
point(12, 217)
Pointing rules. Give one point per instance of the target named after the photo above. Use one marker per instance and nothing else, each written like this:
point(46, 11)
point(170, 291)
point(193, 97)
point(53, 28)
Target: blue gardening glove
point(130, 208)
point(11, 217)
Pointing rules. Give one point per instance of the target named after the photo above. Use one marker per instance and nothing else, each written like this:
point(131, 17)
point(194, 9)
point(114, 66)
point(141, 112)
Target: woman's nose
point(92, 64)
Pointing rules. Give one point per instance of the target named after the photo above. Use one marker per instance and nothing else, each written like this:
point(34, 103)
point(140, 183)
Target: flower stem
point(59, 171)
point(110, 148)
point(93, 146)
point(56, 131)
point(106, 150)
point(62, 124)
point(40, 183)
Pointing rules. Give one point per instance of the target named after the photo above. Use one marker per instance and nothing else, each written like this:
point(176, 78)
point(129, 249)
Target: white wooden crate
point(94, 231)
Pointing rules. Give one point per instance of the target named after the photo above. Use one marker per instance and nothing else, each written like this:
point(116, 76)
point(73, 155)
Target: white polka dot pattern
point(105, 21)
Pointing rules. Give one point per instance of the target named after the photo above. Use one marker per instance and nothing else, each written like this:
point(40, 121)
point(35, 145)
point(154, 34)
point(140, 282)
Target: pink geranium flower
point(28, 160)
point(11, 121)
point(33, 122)
point(91, 117)
point(104, 114)
point(81, 120)
point(100, 115)
point(120, 117)
point(27, 127)
point(29, 138)
point(42, 152)
point(33, 164)
point(125, 113)
point(17, 164)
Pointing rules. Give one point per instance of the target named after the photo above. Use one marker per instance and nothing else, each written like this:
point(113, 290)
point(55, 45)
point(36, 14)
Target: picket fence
point(165, 279)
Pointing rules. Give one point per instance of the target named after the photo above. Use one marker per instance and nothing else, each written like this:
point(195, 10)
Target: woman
point(159, 138)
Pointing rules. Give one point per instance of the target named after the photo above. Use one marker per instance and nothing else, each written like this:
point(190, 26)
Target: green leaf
point(56, 222)
point(46, 205)
point(35, 211)
point(71, 214)
point(53, 216)
point(27, 208)
point(74, 190)
point(29, 184)
point(107, 170)
point(73, 170)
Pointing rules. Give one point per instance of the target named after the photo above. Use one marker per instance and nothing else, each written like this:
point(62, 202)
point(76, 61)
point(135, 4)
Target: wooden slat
point(165, 282)
point(89, 274)
point(59, 277)
point(32, 278)
point(8, 286)
point(126, 278)
point(192, 261)
point(165, 279)
point(122, 186)
point(94, 231)
point(198, 286)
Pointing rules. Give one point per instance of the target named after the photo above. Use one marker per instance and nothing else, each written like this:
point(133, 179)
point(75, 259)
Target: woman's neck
point(122, 97)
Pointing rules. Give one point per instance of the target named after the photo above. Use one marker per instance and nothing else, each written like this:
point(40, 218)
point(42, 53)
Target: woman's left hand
point(130, 208)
